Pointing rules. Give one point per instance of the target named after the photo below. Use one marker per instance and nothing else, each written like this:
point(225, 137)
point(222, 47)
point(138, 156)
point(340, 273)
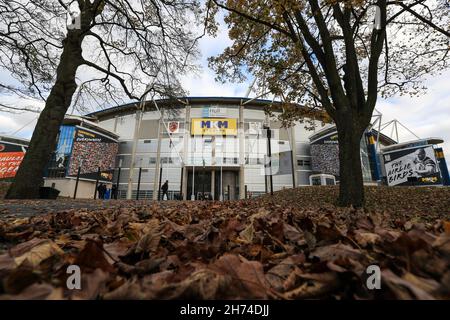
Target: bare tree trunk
point(29, 179)
point(351, 188)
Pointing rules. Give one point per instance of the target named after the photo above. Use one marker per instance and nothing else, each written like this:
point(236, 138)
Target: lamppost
point(118, 179)
point(96, 182)
point(160, 180)
point(78, 179)
point(193, 171)
point(203, 167)
point(139, 179)
point(203, 179)
point(269, 155)
point(224, 146)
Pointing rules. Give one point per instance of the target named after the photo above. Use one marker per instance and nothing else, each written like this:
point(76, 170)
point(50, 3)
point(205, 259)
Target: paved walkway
point(27, 208)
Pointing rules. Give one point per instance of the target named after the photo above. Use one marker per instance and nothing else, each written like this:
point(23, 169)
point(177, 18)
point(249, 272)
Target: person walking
point(107, 195)
point(164, 189)
point(114, 192)
point(99, 191)
point(104, 189)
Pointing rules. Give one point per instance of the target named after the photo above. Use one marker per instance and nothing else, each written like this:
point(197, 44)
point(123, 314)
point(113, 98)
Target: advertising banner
point(214, 112)
point(214, 127)
point(217, 112)
point(92, 150)
point(414, 166)
point(11, 157)
point(9, 163)
point(173, 127)
point(59, 164)
point(325, 155)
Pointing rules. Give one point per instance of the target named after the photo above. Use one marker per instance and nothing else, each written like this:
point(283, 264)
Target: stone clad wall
point(325, 158)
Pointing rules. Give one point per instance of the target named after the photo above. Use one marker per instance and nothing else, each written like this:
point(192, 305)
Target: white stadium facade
point(219, 145)
point(234, 153)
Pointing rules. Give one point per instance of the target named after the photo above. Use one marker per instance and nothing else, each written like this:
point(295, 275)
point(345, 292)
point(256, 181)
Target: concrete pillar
point(116, 118)
point(185, 182)
point(133, 153)
point(187, 133)
point(158, 157)
point(293, 143)
point(241, 134)
point(213, 182)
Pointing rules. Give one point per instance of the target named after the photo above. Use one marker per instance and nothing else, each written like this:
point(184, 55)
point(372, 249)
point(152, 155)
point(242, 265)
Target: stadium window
point(152, 161)
point(147, 141)
point(304, 163)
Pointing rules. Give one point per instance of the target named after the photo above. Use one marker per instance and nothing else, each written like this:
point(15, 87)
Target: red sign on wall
point(9, 163)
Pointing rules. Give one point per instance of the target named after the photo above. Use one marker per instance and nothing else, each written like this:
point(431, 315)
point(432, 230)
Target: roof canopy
point(413, 143)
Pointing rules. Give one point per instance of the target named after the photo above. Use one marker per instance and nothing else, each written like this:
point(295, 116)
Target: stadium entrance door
point(208, 178)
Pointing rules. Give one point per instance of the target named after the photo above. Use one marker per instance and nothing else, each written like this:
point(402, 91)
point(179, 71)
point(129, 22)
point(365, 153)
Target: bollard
point(139, 183)
point(76, 183)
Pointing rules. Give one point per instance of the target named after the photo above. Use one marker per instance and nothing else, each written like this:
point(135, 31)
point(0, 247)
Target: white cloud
point(19, 123)
point(7, 124)
point(204, 84)
point(427, 115)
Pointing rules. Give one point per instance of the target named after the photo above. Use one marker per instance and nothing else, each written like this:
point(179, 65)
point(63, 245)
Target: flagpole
point(193, 172)
point(221, 166)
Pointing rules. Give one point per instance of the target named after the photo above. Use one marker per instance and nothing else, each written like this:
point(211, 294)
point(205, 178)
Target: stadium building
point(211, 146)
point(215, 147)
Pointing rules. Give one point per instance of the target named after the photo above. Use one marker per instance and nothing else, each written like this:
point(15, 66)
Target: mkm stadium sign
point(214, 127)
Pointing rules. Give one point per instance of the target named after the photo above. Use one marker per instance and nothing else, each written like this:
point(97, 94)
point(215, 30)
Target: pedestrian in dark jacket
point(164, 189)
point(101, 191)
point(104, 189)
point(114, 192)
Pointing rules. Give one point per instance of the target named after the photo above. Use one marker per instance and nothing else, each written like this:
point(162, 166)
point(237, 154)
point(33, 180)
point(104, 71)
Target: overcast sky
point(427, 115)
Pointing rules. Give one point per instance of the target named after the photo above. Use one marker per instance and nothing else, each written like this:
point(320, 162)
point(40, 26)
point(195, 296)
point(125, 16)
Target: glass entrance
point(230, 185)
point(202, 181)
